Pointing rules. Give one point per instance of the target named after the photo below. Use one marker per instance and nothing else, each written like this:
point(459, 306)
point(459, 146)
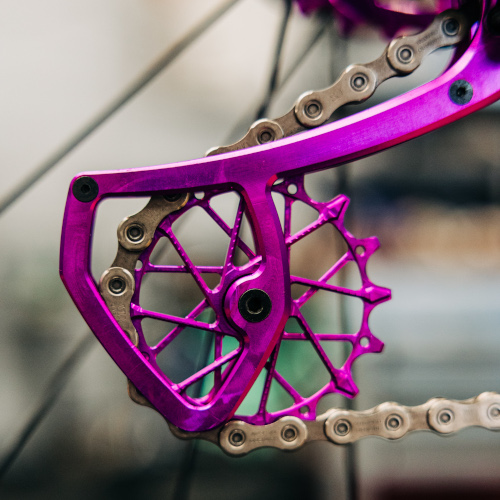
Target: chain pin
point(313, 109)
point(135, 233)
point(405, 54)
point(265, 136)
point(393, 422)
point(237, 437)
point(289, 433)
point(445, 417)
point(342, 428)
point(117, 285)
point(359, 82)
point(451, 27)
point(494, 411)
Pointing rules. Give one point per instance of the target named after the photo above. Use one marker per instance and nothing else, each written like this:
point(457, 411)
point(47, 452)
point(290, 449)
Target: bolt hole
point(254, 305)
point(200, 195)
point(292, 189)
point(494, 412)
point(85, 188)
point(364, 342)
point(360, 250)
point(138, 265)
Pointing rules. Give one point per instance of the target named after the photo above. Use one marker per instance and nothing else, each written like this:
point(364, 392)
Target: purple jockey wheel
point(252, 301)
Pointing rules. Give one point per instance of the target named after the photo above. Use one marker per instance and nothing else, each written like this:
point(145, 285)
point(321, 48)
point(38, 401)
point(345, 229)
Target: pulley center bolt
point(313, 109)
point(342, 428)
point(445, 417)
point(117, 285)
point(451, 27)
point(289, 433)
point(359, 82)
point(393, 422)
point(237, 437)
point(254, 305)
point(405, 54)
point(135, 233)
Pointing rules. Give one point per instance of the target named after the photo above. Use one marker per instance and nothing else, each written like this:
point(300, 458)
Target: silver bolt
point(237, 437)
point(289, 433)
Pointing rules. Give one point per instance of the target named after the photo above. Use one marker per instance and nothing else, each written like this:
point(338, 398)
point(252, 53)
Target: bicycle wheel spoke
point(126, 95)
point(273, 77)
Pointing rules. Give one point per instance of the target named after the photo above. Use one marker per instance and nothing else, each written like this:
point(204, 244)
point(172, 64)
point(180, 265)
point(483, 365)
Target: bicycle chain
point(357, 83)
point(387, 420)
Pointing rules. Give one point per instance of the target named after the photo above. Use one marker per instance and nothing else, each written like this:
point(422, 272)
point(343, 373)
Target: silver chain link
point(388, 420)
point(357, 83)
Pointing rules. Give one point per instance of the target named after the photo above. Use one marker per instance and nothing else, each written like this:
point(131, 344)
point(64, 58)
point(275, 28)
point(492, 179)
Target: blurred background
point(434, 203)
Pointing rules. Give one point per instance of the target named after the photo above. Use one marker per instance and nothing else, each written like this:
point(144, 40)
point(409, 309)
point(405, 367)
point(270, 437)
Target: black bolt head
point(461, 92)
point(254, 305)
point(85, 189)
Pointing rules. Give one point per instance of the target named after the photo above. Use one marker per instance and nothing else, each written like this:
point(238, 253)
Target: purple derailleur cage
point(254, 304)
point(253, 301)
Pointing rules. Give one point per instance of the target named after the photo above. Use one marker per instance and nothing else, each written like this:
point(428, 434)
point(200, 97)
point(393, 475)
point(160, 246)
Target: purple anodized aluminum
point(253, 173)
point(389, 15)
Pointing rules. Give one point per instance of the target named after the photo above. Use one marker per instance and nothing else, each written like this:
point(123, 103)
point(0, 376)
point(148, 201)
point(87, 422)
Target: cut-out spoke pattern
point(356, 251)
point(206, 317)
point(203, 319)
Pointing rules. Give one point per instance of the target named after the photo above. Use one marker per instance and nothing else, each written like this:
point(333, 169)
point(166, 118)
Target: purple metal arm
point(252, 174)
point(389, 15)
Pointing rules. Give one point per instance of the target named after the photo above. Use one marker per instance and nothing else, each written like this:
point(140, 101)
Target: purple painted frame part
point(252, 173)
